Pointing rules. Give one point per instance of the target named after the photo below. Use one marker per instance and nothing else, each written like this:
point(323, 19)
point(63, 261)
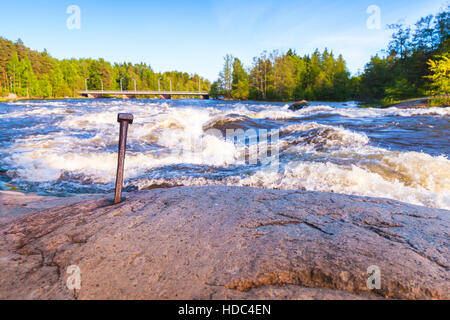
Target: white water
point(320, 154)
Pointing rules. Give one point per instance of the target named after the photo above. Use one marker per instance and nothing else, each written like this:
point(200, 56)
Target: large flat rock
point(227, 243)
point(17, 203)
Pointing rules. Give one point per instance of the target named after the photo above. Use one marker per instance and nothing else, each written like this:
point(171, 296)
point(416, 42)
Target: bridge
point(134, 94)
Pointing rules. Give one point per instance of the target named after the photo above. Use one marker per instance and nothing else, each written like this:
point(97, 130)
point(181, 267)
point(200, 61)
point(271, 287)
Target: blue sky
point(193, 36)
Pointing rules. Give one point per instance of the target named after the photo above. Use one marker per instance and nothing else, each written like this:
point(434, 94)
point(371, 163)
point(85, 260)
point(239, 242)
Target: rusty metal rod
point(124, 119)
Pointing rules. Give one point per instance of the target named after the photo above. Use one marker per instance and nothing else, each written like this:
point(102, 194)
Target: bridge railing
point(146, 92)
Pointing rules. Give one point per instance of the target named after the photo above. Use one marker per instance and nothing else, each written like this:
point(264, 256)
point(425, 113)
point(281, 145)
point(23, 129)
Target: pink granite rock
point(228, 243)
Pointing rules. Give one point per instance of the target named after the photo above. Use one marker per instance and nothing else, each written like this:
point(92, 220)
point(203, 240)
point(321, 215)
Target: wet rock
point(411, 104)
point(299, 105)
point(14, 204)
point(228, 242)
point(11, 96)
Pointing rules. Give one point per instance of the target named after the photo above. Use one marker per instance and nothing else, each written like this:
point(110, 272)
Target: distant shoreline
point(414, 103)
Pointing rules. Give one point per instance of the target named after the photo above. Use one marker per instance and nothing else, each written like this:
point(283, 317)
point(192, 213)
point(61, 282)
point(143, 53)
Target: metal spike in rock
point(124, 119)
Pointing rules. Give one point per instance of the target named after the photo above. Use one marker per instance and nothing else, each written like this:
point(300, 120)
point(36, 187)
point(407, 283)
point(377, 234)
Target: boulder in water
point(299, 105)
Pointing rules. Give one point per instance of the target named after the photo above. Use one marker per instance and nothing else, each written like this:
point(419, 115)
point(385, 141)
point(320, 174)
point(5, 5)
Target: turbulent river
point(70, 146)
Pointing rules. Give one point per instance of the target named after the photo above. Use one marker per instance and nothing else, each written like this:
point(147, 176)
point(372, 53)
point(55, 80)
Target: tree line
point(26, 72)
point(277, 76)
point(416, 63)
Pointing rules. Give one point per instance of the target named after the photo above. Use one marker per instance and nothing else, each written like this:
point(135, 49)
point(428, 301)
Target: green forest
point(28, 73)
point(416, 63)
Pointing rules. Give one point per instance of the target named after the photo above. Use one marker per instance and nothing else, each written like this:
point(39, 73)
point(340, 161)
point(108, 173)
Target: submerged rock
point(299, 105)
point(228, 243)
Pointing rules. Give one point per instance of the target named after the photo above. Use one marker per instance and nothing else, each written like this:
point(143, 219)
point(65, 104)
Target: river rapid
point(62, 147)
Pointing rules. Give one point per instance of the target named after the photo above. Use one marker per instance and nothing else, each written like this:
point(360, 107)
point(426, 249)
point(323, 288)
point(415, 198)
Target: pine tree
point(240, 86)
point(13, 67)
point(226, 76)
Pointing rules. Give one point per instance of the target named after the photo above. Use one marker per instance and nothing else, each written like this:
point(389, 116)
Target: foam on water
point(174, 144)
point(374, 112)
point(416, 182)
point(321, 137)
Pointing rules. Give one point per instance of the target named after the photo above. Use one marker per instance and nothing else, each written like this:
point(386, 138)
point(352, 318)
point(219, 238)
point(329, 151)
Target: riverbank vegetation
point(415, 64)
point(277, 76)
point(28, 73)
